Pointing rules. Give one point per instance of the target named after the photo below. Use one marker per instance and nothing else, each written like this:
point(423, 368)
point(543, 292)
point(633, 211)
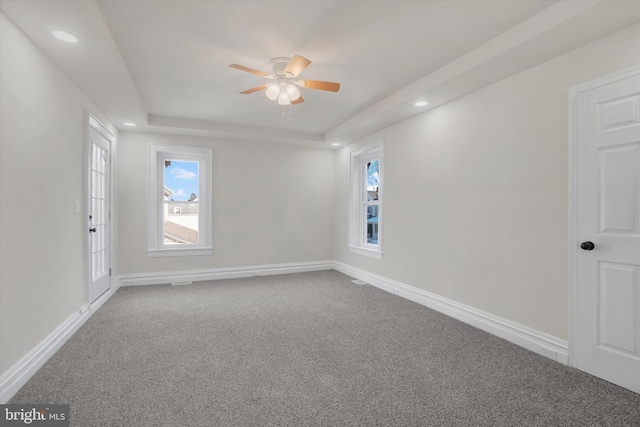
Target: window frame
point(358, 200)
point(157, 155)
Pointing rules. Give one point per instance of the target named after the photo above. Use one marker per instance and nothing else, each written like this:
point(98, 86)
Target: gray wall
point(272, 203)
point(476, 196)
point(42, 172)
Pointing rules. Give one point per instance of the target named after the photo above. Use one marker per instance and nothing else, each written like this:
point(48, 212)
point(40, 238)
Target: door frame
point(573, 238)
point(93, 123)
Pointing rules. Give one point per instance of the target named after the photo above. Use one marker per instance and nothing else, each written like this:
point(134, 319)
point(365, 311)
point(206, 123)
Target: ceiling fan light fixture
point(273, 91)
point(283, 98)
point(292, 92)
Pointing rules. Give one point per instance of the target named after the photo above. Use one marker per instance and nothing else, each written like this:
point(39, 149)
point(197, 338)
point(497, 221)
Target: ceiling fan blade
point(254, 89)
point(250, 70)
point(296, 65)
point(316, 84)
point(298, 101)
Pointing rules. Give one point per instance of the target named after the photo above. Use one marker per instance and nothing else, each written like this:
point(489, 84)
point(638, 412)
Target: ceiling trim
point(236, 131)
point(468, 73)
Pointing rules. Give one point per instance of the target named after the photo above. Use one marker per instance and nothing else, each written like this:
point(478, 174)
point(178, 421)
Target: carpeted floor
point(309, 349)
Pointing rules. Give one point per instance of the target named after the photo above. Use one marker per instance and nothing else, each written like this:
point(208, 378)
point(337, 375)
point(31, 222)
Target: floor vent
point(359, 282)
point(180, 283)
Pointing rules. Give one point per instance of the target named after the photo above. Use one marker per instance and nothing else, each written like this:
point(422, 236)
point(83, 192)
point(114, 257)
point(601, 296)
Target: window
point(365, 225)
point(179, 201)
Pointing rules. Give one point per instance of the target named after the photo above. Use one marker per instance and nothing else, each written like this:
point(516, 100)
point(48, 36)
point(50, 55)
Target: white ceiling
point(164, 64)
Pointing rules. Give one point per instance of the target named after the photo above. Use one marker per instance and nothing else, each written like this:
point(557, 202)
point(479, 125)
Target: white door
point(99, 214)
point(607, 333)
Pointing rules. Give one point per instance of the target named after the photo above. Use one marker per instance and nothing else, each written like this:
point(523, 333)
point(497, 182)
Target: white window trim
point(357, 227)
point(157, 155)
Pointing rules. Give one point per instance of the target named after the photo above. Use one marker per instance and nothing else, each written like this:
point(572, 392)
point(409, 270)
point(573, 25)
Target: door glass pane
point(99, 212)
point(372, 224)
point(181, 202)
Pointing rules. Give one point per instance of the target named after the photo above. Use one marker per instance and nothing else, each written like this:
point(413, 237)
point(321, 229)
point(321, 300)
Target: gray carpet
point(309, 349)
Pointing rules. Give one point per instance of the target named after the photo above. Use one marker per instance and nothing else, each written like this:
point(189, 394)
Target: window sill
point(372, 253)
point(152, 253)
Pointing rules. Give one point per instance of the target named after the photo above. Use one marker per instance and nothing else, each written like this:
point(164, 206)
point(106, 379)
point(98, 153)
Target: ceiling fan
point(284, 88)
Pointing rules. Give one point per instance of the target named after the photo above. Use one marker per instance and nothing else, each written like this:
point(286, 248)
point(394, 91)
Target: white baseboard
point(221, 273)
point(538, 342)
point(16, 376)
point(103, 298)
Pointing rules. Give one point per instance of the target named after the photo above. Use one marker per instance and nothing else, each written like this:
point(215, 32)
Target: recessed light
point(129, 124)
point(65, 37)
point(420, 103)
point(336, 144)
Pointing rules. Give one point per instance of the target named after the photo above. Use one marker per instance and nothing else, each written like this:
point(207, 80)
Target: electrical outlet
point(547, 352)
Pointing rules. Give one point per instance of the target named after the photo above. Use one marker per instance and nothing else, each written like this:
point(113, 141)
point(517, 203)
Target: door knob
point(92, 230)
point(587, 246)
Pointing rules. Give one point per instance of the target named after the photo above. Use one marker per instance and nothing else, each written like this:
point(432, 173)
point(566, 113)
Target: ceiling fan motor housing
point(278, 65)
